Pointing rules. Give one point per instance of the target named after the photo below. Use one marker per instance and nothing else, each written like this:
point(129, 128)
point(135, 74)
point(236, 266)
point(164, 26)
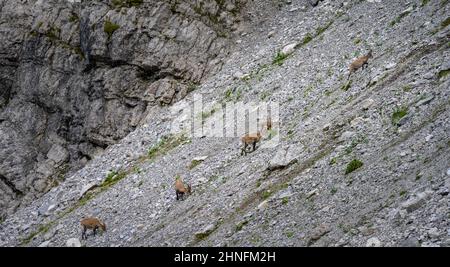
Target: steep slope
point(78, 77)
point(392, 117)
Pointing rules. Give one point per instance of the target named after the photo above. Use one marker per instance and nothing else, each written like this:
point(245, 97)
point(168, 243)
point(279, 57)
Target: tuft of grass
point(424, 2)
point(308, 38)
point(346, 86)
point(266, 194)
point(289, 234)
point(399, 18)
point(322, 29)
point(126, 3)
point(407, 88)
point(194, 163)
point(41, 230)
point(333, 161)
point(402, 193)
point(279, 58)
point(74, 17)
point(109, 28)
point(264, 95)
point(53, 33)
point(445, 23)
point(166, 144)
point(333, 190)
point(112, 178)
point(232, 94)
point(399, 114)
point(353, 165)
point(285, 200)
point(443, 74)
point(241, 225)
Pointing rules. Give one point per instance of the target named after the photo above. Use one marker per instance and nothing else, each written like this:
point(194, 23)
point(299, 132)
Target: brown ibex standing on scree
point(180, 188)
point(250, 139)
point(360, 62)
point(91, 223)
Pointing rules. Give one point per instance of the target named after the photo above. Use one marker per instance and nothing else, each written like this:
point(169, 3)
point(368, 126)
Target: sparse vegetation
point(333, 190)
point(241, 225)
point(194, 163)
point(112, 178)
point(233, 94)
point(266, 194)
point(399, 18)
point(443, 74)
point(308, 38)
point(126, 3)
point(110, 27)
point(289, 234)
point(279, 58)
point(346, 86)
point(285, 200)
point(353, 165)
point(166, 144)
point(399, 114)
point(74, 17)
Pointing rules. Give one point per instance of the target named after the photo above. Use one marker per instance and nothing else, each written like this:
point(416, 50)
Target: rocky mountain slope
point(78, 77)
point(361, 162)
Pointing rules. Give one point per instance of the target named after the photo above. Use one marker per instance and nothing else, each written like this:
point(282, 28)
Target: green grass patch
point(194, 163)
point(112, 178)
point(166, 144)
point(399, 114)
point(308, 38)
point(126, 3)
point(109, 28)
point(241, 225)
point(345, 87)
point(279, 58)
point(353, 165)
point(74, 17)
point(289, 234)
point(443, 74)
point(399, 18)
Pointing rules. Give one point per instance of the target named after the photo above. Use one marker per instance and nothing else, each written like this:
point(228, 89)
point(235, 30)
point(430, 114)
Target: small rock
point(312, 193)
point(73, 243)
point(326, 127)
point(425, 101)
point(285, 194)
point(270, 34)
point(282, 159)
point(318, 232)
point(415, 202)
point(428, 137)
point(410, 242)
point(390, 65)
point(373, 242)
point(366, 104)
point(44, 244)
point(448, 172)
point(433, 233)
point(289, 49)
point(201, 158)
point(263, 205)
